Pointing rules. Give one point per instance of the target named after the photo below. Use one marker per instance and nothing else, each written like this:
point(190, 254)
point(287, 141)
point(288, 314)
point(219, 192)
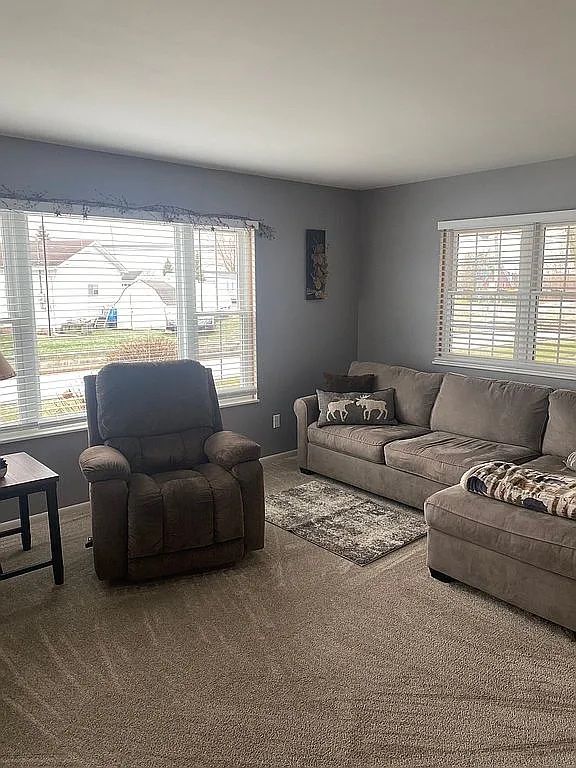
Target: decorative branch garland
point(30, 201)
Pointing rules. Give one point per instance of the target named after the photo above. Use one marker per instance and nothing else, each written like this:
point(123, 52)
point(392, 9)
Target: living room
point(377, 191)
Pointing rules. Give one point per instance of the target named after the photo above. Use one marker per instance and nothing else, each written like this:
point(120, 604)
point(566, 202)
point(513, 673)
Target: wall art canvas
point(316, 264)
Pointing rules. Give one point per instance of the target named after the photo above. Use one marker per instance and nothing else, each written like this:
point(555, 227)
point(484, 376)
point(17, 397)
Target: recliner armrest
point(228, 449)
point(100, 462)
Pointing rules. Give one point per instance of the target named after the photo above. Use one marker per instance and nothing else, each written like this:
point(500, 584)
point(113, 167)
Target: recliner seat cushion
point(183, 509)
point(499, 411)
point(444, 457)
point(536, 538)
point(362, 442)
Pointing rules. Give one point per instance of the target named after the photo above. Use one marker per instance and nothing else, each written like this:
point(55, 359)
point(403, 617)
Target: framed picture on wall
point(316, 264)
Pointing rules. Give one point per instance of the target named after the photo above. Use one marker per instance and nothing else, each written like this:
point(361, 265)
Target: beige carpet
point(293, 658)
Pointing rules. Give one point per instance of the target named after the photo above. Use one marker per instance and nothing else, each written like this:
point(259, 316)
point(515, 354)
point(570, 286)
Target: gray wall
point(383, 259)
point(297, 339)
point(399, 276)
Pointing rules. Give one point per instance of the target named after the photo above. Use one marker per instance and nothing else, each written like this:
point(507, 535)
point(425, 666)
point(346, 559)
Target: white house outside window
point(78, 293)
point(508, 293)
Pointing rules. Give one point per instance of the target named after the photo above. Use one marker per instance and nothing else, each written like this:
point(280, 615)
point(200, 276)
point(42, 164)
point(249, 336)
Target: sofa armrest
point(100, 462)
point(228, 449)
point(307, 412)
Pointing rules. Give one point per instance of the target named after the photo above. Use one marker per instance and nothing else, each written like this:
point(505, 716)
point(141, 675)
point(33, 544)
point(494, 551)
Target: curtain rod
point(33, 201)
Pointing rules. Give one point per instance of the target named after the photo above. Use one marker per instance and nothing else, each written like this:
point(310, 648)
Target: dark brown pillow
point(340, 382)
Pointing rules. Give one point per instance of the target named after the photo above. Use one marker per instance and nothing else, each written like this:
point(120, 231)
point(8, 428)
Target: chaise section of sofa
point(522, 556)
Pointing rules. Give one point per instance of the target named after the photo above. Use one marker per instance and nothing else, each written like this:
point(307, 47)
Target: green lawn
point(93, 348)
point(73, 404)
point(545, 353)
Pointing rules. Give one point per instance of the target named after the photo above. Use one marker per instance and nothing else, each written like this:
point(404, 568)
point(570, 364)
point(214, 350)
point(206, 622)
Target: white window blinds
point(508, 293)
point(78, 293)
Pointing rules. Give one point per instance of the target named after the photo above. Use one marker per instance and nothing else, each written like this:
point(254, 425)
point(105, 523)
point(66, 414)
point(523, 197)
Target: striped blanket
point(524, 487)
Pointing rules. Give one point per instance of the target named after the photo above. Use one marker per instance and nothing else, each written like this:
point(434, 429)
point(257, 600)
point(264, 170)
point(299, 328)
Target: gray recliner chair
point(170, 491)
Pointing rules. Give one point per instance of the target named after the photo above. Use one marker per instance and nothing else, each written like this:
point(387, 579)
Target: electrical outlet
point(276, 421)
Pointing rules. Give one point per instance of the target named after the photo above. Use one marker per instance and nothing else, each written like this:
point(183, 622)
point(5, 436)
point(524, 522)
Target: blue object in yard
point(112, 318)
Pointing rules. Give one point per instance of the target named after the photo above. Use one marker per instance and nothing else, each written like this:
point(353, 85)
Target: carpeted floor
point(295, 657)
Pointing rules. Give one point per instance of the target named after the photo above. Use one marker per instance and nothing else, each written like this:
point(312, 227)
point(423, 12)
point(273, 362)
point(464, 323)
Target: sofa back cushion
point(501, 411)
point(560, 434)
point(157, 414)
point(414, 391)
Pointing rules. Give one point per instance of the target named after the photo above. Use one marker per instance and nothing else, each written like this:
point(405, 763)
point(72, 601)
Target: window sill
point(240, 401)
point(53, 430)
point(547, 372)
point(33, 433)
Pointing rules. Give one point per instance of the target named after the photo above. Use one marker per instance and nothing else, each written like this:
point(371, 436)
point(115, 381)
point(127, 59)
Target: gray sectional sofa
point(449, 423)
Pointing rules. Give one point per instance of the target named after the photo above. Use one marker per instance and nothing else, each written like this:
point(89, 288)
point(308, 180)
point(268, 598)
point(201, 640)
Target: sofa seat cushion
point(362, 442)
point(531, 537)
point(555, 465)
point(183, 509)
point(444, 457)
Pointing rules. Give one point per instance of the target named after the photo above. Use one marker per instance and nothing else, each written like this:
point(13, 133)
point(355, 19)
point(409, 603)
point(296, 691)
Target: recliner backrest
point(157, 414)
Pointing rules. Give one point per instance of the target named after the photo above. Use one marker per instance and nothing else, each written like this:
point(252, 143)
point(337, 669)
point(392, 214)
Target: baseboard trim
point(66, 513)
point(281, 455)
point(74, 509)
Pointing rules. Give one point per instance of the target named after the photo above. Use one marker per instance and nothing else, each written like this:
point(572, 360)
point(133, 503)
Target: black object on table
point(25, 475)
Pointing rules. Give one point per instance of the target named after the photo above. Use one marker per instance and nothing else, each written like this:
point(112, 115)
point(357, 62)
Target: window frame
point(31, 424)
point(531, 275)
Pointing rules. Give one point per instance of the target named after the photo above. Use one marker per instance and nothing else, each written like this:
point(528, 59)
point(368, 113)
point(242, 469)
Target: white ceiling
point(355, 93)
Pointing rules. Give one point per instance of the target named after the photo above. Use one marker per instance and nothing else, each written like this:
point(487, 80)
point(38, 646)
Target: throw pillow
point(340, 382)
point(354, 408)
point(571, 461)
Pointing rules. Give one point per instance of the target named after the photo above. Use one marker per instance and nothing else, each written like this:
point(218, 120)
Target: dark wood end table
point(25, 475)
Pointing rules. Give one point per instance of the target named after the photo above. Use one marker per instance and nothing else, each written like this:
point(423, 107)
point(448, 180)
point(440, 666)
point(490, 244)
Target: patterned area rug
point(344, 521)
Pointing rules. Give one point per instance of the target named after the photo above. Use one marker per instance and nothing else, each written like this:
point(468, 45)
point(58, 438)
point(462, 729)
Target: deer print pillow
point(370, 409)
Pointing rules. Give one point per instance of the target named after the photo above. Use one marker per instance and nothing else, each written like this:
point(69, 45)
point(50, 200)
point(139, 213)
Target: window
point(78, 293)
point(508, 293)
